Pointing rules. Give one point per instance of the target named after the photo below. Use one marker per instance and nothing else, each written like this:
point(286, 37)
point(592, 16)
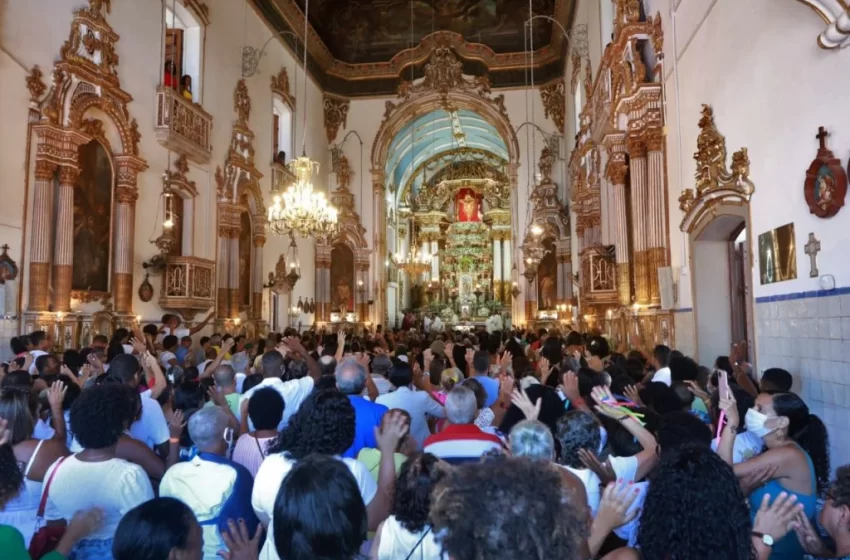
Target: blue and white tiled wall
point(808, 334)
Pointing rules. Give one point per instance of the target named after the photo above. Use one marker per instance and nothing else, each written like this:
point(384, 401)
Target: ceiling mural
point(364, 47)
point(367, 31)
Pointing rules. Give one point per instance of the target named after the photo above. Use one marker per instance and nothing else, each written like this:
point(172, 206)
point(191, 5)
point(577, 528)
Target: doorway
point(721, 266)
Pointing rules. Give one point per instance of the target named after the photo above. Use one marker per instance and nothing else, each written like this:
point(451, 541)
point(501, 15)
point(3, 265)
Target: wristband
point(174, 440)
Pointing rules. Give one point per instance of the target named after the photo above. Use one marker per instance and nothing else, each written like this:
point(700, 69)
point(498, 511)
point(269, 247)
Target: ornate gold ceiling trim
point(294, 17)
point(336, 114)
point(475, 154)
point(715, 184)
point(554, 100)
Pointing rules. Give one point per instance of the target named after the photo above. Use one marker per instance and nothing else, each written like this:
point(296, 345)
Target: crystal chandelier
point(300, 208)
point(415, 263)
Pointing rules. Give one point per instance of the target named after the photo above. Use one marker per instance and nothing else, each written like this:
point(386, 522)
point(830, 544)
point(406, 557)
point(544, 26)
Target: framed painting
point(826, 181)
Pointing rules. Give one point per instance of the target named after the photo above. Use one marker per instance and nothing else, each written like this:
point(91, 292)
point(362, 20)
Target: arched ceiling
point(424, 139)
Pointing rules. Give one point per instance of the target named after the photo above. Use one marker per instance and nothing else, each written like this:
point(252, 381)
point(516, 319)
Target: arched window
point(183, 55)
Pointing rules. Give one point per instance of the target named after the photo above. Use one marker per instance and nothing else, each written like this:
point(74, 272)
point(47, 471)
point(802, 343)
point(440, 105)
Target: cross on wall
point(812, 249)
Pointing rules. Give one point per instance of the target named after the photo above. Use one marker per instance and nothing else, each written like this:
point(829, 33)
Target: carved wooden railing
point(183, 126)
point(282, 177)
point(188, 284)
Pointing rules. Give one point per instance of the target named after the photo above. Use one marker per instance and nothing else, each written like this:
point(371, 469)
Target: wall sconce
point(236, 321)
point(138, 319)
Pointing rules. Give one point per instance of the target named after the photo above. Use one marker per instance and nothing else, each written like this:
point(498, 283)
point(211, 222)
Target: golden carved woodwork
point(616, 171)
point(343, 171)
point(714, 182)
point(657, 36)
point(122, 290)
point(654, 137)
point(576, 61)
point(177, 180)
point(39, 288)
point(636, 146)
point(188, 284)
point(68, 175)
point(656, 258)
point(588, 80)
point(624, 287)
point(62, 276)
point(182, 125)
point(554, 102)
point(242, 103)
point(437, 197)
point(44, 170)
point(35, 84)
point(336, 115)
point(280, 86)
point(642, 287)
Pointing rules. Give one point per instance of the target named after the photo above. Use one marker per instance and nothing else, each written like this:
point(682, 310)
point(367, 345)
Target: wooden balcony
point(188, 284)
point(183, 126)
point(282, 177)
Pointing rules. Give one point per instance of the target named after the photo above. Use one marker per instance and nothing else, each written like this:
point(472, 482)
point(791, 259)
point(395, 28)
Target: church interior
point(659, 171)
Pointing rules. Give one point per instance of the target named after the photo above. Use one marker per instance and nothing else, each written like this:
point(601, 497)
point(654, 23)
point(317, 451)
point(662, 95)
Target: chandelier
point(300, 208)
point(415, 263)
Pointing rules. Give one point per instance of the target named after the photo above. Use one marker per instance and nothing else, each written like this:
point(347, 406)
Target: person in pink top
point(265, 409)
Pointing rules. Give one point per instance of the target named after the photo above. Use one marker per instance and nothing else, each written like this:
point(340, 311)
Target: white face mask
point(754, 421)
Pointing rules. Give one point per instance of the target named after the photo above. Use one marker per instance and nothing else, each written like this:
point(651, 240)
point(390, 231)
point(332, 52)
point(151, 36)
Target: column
point(233, 274)
point(126, 194)
point(507, 268)
point(257, 278)
point(497, 268)
point(223, 266)
point(363, 292)
point(638, 166)
point(40, 255)
point(379, 223)
point(561, 277)
point(435, 260)
point(63, 246)
point(616, 172)
point(657, 211)
point(531, 300)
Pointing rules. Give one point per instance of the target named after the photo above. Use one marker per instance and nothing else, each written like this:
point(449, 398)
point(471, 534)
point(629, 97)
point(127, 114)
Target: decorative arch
point(443, 87)
point(84, 79)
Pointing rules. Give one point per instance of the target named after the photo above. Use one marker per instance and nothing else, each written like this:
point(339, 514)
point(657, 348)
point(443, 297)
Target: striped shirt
point(461, 443)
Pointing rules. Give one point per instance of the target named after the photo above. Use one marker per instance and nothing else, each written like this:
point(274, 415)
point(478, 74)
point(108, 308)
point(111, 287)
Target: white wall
point(32, 34)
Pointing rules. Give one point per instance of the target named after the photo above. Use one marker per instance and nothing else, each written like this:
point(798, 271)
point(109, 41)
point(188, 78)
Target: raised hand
point(543, 368)
point(604, 471)
point(522, 402)
point(506, 360)
point(730, 407)
point(633, 394)
point(139, 346)
point(149, 361)
point(569, 386)
point(240, 545)
point(614, 507)
point(779, 517)
point(808, 537)
point(175, 423)
point(391, 431)
point(227, 345)
point(216, 397)
point(56, 394)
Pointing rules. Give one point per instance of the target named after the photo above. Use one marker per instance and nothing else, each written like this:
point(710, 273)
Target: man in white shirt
point(171, 325)
point(426, 324)
point(437, 325)
point(40, 345)
point(293, 391)
point(151, 427)
point(661, 361)
point(419, 404)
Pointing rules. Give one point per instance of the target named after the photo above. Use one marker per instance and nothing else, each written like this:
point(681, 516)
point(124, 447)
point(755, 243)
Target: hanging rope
point(304, 121)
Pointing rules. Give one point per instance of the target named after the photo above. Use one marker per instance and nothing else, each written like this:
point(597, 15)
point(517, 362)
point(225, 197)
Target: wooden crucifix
point(812, 249)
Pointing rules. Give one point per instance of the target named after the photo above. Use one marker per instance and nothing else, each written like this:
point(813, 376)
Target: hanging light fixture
point(293, 265)
point(414, 263)
point(301, 208)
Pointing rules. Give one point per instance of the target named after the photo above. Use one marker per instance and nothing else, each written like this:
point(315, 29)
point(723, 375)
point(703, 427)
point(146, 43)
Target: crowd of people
point(160, 444)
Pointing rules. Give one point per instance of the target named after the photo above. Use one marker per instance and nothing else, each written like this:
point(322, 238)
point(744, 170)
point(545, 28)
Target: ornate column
point(40, 257)
point(257, 278)
point(323, 281)
point(63, 247)
point(362, 291)
point(616, 171)
point(223, 267)
point(497, 268)
point(379, 223)
point(507, 270)
point(435, 260)
point(233, 287)
point(656, 211)
point(126, 194)
point(638, 167)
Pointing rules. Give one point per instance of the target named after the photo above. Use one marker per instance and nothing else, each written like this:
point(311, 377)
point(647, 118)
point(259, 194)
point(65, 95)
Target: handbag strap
point(43, 503)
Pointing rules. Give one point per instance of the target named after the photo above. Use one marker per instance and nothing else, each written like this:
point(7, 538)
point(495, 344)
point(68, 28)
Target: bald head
point(225, 376)
point(206, 428)
point(350, 377)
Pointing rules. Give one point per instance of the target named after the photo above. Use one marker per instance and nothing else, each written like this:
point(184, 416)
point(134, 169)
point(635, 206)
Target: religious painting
point(468, 206)
point(826, 181)
point(777, 255)
point(92, 219)
point(342, 278)
point(364, 31)
point(547, 278)
point(245, 260)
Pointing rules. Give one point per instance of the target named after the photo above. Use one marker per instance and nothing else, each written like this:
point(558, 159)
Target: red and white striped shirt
point(461, 443)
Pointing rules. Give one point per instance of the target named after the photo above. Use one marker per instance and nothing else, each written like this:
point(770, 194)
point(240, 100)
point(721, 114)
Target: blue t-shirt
point(180, 354)
point(238, 505)
point(367, 415)
point(491, 386)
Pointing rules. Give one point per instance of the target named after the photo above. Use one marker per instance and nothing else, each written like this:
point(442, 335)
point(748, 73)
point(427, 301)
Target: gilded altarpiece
point(78, 175)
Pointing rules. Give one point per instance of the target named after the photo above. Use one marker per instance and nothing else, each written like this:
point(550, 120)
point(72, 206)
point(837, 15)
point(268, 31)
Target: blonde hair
point(449, 379)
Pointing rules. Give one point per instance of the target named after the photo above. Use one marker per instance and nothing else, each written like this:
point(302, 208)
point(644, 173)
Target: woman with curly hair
point(797, 454)
point(496, 510)
point(833, 519)
point(324, 424)
point(33, 456)
point(406, 532)
point(96, 477)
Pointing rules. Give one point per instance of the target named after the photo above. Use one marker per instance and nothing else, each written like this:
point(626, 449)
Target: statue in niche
point(342, 274)
point(92, 219)
point(547, 274)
